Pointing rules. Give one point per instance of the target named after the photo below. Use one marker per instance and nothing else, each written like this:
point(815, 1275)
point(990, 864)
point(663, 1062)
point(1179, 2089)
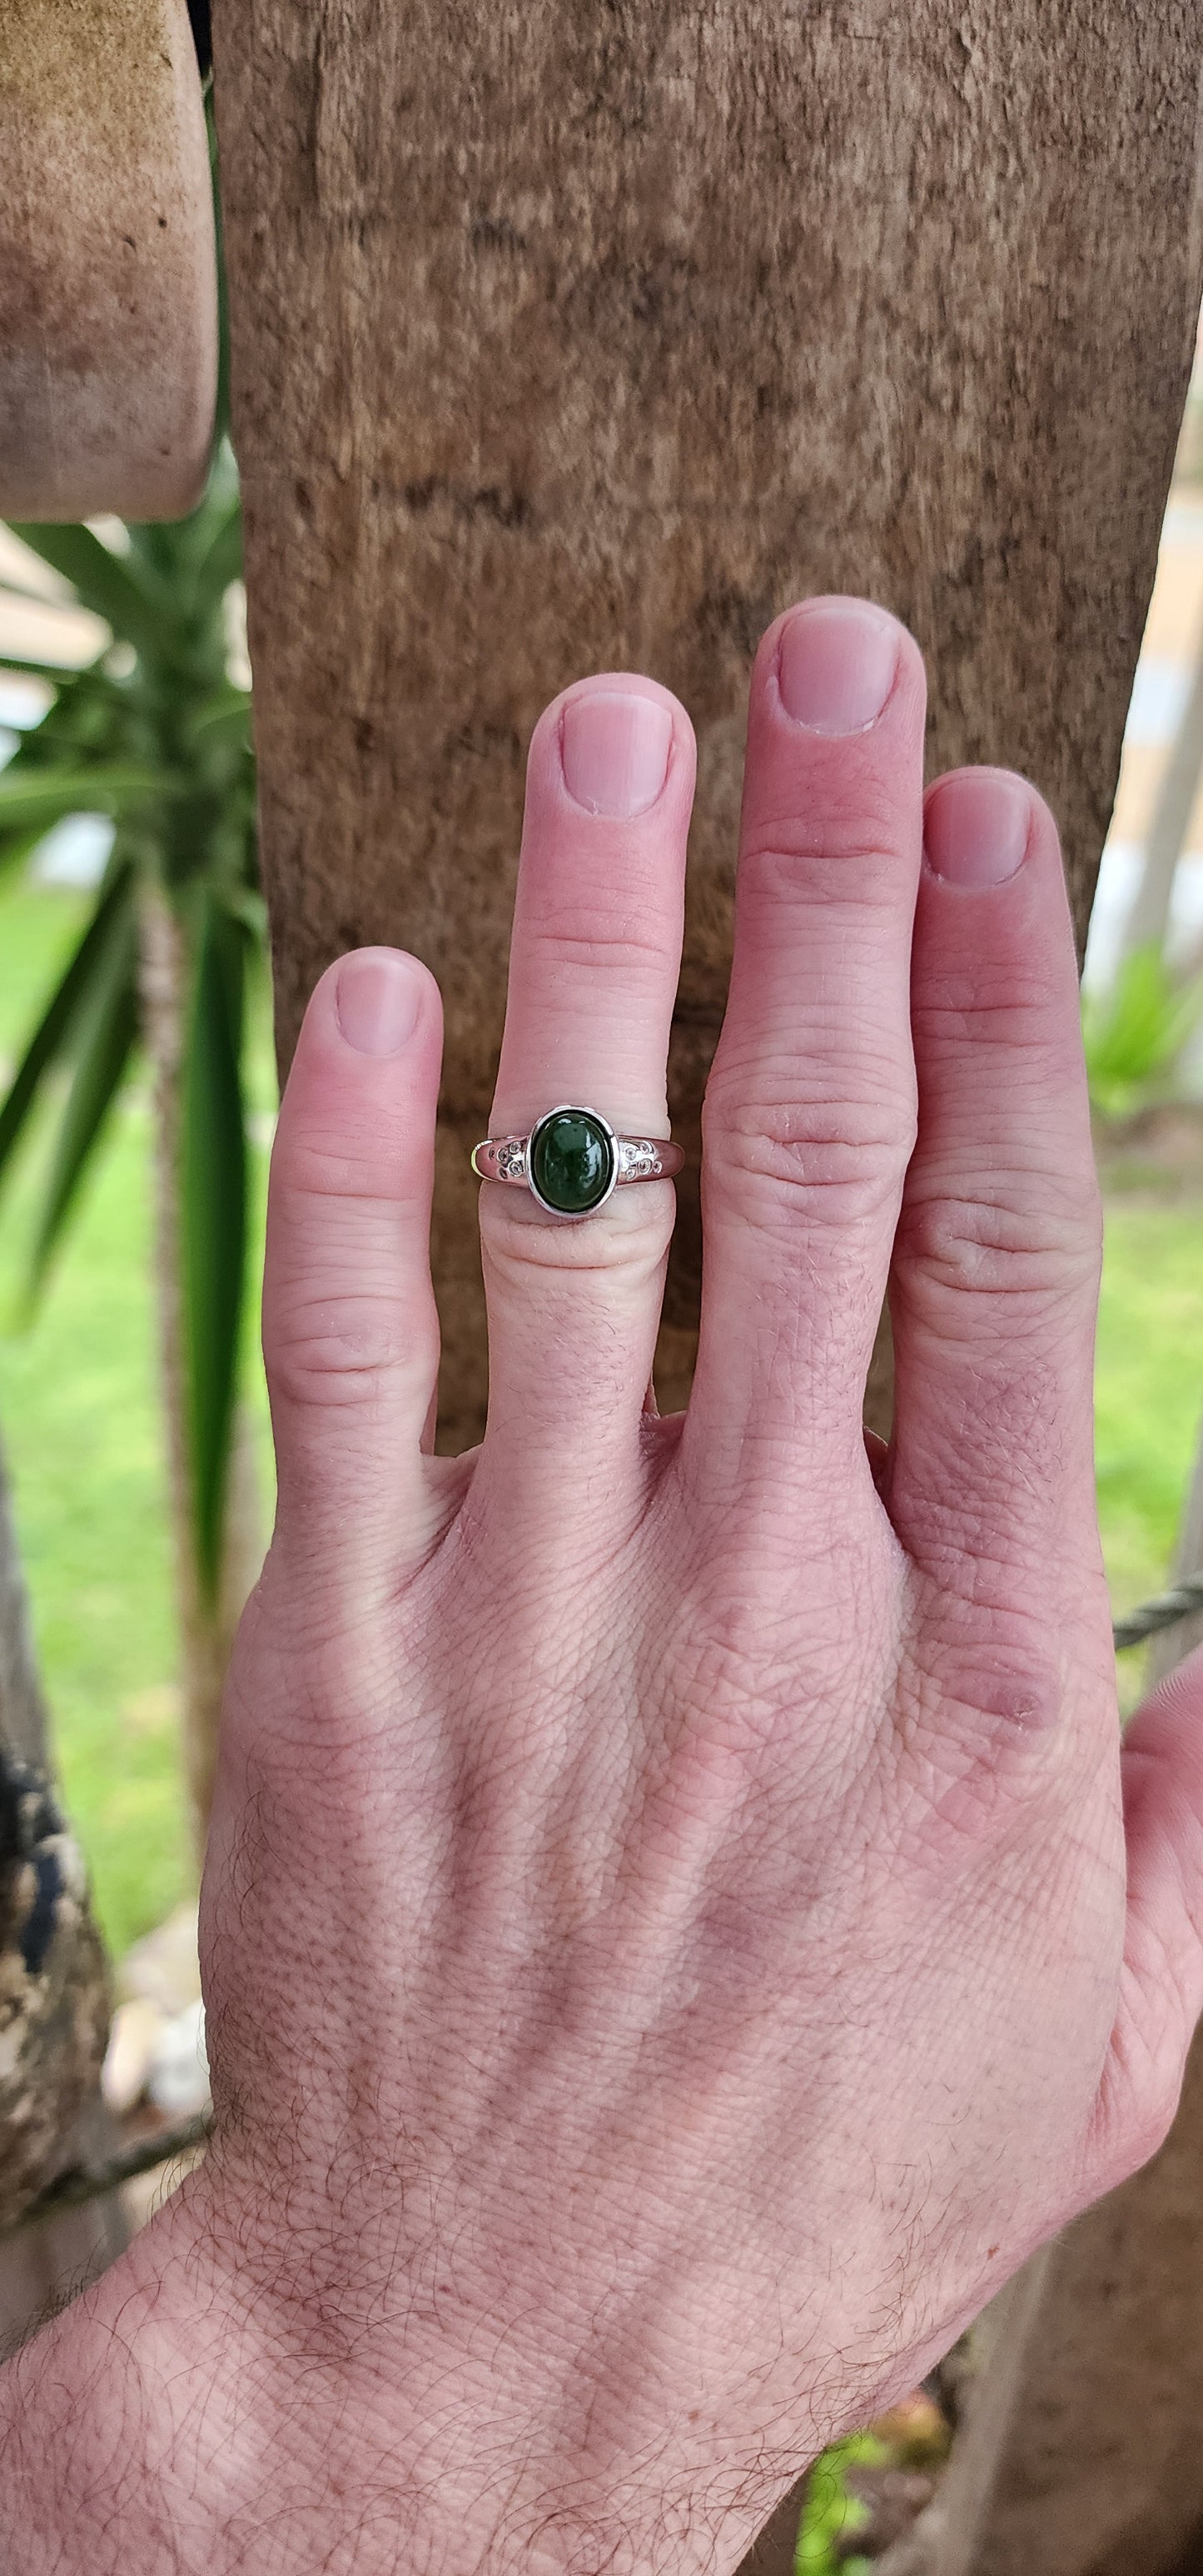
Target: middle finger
point(810, 1110)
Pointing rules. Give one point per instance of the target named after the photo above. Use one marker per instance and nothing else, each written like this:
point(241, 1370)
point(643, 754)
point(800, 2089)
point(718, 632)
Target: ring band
point(572, 1160)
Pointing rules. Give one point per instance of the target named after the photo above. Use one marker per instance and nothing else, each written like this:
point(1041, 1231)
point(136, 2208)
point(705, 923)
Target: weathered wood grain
point(108, 297)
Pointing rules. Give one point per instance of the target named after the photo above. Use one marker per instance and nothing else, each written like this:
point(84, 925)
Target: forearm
point(160, 2423)
point(134, 2427)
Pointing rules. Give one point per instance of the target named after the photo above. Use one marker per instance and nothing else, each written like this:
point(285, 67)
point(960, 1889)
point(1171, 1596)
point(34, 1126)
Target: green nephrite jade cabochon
point(572, 1161)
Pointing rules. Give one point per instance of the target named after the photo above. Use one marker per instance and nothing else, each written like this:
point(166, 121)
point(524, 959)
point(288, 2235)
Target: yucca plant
point(156, 734)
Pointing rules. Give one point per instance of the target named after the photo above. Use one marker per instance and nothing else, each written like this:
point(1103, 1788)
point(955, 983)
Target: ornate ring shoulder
point(573, 1160)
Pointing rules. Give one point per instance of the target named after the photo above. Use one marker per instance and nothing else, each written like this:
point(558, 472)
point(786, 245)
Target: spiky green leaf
point(56, 673)
point(213, 1198)
point(119, 588)
point(107, 1028)
point(221, 562)
point(83, 978)
point(32, 797)
point(15, 846)
point(222, 721)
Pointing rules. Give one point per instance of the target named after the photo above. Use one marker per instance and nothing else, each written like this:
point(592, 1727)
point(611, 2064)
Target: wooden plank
point(566, 338)
point(108, 295)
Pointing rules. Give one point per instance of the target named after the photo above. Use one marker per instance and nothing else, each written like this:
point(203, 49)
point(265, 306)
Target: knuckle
point(592, 940)
point(836, 1161)
point(342, 1356)
point(1012, 1236)
point(1154, 2117)
point(852, 847)
point(364, 1161)
point(1010, 1001)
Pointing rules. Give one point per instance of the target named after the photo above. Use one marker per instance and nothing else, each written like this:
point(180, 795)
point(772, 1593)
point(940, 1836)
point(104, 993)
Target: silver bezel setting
point(573, 1109)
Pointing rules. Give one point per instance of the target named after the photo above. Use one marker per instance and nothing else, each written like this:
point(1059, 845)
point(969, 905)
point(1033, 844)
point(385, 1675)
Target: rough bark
point(53, 1987)
point(571, 337)
point(108, 304)
point(206, 1627)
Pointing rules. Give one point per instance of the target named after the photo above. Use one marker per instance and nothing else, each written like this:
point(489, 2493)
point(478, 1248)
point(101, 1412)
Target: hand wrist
point(169, 2420)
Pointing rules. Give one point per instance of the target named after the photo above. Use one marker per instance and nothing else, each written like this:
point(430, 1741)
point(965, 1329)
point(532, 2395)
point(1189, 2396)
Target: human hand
point(669, 1946)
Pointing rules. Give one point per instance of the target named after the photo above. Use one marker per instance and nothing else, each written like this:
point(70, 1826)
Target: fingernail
point(976, 827)
point(615, 749)
point(376, 1000)
point(836, 665)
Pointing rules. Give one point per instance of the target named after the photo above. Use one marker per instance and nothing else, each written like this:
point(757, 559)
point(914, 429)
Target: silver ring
point(572, 1161)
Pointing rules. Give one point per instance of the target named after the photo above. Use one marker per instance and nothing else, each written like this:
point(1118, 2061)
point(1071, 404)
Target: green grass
point(79, 1416)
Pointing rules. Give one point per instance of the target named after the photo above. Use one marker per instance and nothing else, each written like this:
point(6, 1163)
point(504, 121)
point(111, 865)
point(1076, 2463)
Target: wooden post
point(108, 290)
point(566, 338)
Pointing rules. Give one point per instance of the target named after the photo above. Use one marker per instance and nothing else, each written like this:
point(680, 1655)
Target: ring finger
point(596, 949)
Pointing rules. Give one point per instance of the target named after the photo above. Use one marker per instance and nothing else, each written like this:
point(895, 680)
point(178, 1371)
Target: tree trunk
point(570, 338)
point(54, 2003)
point(1148, 920)
point(108, 310)
point(206, 1627)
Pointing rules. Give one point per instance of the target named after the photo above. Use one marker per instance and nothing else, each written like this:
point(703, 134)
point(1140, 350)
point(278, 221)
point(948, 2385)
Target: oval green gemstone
point(571, 1161)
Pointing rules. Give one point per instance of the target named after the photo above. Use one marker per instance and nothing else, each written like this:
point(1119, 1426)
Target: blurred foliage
point(1134, 1032)
point(154, 733)
point(830, 2515)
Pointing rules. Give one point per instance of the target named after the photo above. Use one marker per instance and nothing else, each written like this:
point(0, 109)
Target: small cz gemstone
point(571, 1161)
